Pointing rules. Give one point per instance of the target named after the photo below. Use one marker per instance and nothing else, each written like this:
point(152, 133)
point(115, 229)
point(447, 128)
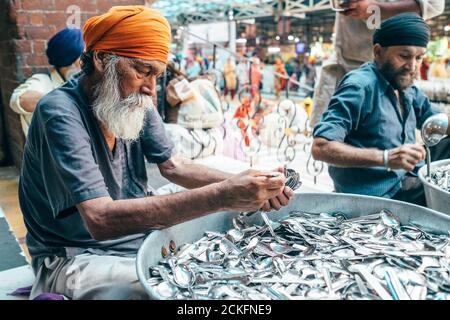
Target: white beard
point(124, 118)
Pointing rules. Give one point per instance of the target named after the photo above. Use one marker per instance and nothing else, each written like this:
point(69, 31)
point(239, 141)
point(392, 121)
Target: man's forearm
point(340, 154)
point(111, 219)
point(390, 9)
point(191, 175)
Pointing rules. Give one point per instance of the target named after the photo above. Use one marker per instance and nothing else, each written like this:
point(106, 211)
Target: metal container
point(351, 205)
point(437, 199)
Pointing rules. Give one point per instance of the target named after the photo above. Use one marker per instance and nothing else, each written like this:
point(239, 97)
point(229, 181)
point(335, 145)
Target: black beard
point(393, 76)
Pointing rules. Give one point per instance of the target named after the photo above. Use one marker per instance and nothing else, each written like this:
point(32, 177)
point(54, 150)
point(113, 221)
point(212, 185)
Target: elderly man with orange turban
point(84, 191)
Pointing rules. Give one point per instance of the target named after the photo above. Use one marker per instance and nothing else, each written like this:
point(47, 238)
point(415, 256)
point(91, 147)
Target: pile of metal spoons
point(312, 256)
point(441, 177)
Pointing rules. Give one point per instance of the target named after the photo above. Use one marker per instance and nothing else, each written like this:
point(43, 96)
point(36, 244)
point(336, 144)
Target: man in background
point(63, 51)
point(352, 44)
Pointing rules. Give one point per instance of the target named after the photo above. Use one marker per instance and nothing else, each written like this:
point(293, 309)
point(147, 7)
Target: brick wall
point(26, 26)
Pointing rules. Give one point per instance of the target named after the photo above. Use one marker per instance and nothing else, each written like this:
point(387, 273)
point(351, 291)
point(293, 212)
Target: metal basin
point(351, 205)
point(437, 199)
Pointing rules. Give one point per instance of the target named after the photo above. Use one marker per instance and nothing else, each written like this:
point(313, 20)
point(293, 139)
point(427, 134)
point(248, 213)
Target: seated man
point(368, 133)
point(83, 188)
point(63, 51)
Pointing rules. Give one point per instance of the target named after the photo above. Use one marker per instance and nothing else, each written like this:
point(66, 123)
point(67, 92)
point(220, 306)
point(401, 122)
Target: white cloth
point(89, 277)
point(273, 127)
point(200, 106)
point(353, 47)
point(195, 143)
point(39, 82)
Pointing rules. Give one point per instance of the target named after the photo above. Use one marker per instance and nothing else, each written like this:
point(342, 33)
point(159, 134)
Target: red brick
point(86, 15)
point(36, 18)
point(37, 4)
point(22, 46)
point(40, 33)
point(22, 18)
point(25, 72)
point(87, 5)
point(59, 26)
point(63, 5)
point(55, 18)
point(39, 46)
point(103, 6)
point(36, 60)
point(20, 31)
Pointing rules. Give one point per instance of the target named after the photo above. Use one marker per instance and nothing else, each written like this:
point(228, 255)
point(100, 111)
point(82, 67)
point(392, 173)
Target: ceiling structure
point(315, 14)
point(180, 12)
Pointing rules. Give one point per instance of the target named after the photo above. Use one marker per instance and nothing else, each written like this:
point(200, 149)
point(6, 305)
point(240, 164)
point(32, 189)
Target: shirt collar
point(385, 85)
point(56, 77)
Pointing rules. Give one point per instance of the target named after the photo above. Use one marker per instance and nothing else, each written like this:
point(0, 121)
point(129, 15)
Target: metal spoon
point(433, 130)
point(183, 276)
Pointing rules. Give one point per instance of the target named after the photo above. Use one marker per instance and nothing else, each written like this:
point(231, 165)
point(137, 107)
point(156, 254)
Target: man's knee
point(90, 276)
point(107, 277)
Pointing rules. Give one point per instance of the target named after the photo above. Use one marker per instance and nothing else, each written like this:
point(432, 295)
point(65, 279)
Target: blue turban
point(65, 47)
point(405, 29)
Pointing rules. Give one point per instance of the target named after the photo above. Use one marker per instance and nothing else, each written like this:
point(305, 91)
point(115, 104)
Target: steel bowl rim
point(433, 164)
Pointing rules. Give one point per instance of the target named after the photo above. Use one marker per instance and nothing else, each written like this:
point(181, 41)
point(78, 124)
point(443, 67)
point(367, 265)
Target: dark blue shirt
point(67, 161)
point(364, 112)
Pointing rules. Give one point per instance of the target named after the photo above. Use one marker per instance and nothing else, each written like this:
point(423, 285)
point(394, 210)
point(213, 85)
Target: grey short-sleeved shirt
point(67, 161)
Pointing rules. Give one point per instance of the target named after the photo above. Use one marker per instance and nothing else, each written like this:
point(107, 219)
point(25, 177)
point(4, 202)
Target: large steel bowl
point(351, 205)
point(437, 198)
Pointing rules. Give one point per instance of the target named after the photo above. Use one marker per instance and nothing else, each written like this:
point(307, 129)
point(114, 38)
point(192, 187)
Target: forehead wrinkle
point(413, 50)
point(157, 66)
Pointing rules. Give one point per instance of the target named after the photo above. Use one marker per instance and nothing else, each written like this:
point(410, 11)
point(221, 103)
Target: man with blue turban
point(367, 135)
point(63, 51)
point(352, 40)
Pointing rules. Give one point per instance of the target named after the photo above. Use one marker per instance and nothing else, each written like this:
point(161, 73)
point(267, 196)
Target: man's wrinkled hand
point(280, 201)
point(406, 157)
point(251, 190)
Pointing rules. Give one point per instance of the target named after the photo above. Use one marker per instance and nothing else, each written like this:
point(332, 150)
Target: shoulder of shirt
point(361, 78)
point(415, 89)
point(41, 76)
point(416, 93)
point(57, 103)
point(43, 79)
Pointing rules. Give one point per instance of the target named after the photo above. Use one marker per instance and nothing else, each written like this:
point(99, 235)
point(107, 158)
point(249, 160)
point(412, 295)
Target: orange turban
point(131, 31)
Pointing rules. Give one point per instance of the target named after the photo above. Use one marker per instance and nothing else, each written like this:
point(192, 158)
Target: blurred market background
point(251, 64)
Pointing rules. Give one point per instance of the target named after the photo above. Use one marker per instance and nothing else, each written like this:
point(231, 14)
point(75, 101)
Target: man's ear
point(376, 50)
point(98, 61)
